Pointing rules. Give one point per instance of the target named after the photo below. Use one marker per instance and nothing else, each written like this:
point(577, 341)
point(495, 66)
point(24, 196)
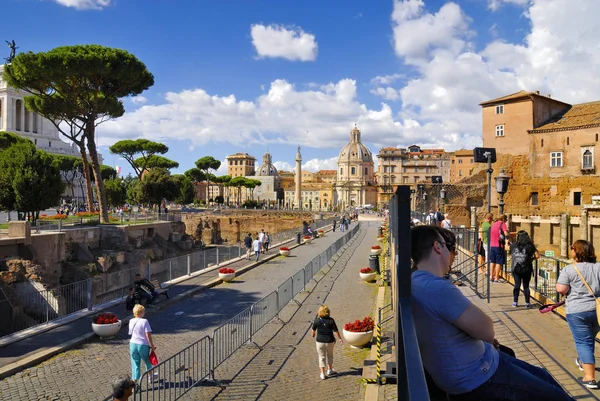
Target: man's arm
point(476, 323)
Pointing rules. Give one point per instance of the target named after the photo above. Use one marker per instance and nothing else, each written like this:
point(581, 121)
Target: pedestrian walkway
point(84, 372)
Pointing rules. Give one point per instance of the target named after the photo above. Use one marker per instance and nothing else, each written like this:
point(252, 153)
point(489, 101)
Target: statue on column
point(13, 51)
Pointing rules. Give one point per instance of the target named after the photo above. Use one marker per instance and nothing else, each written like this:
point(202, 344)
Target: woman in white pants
point(324, 328)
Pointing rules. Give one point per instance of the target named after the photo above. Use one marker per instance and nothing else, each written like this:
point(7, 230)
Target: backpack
point(439, 216)
point(520, 260)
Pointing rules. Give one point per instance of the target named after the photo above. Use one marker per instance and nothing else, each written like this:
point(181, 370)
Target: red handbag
point(153, 358)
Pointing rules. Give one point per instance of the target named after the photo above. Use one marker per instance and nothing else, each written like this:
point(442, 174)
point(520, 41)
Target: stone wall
point(232, 226)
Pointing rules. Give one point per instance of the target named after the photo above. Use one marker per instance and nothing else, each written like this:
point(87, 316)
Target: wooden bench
point(159, 289)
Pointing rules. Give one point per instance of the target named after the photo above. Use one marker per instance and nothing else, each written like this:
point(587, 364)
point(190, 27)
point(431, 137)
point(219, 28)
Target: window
point(556, 159)
point(341, 171)
point(567, 140)
point(404, 180)
point(471, 161)
point(460, 173)
point(367, 171)
point(587, 160)
point(577, 198)
point(534, 198)
point(452, 161)
point(542, 143)
point(459, 161)
point(500, 130)
point(596, 137)
point(49, 144)
point(500, 109)
point(353, 171)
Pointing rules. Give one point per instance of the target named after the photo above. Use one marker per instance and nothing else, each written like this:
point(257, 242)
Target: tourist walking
point(334, 224)
point(580, 282)
point(248, 245)
point(499, 236)
point(446, 222)
point(484, 237)
point(266, 241)
point(324, 328)
point(523, 252)
point(256, 245)
point(141, 342)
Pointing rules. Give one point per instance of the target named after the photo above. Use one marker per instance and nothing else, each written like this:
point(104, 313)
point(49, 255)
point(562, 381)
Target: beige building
point(328, 176)
point(410, 166)
point(355, 184)
point(240, 165)
point(461, 165)
point(316, 196)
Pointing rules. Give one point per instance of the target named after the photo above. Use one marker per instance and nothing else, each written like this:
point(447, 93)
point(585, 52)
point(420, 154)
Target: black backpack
point(439, 216)
point(520, 260)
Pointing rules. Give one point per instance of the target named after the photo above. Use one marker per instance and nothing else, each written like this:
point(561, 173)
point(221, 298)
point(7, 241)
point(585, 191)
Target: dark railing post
point(557, 296)
point(535, 276)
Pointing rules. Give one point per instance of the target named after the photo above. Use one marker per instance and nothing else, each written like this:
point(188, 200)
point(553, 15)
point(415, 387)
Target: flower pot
point(321, 233)
point(106, 330)
point(226, 276)
point(284, 253)
point(368, 276)
point(376, 251)
point(358, 340)
point(306, 240)
point(380, 239)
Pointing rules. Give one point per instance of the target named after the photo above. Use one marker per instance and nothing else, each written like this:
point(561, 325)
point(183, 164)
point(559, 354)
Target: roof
point(326, 172)
point(516, 96)
point(464, 152)
point(577, 116)
point(240, 154)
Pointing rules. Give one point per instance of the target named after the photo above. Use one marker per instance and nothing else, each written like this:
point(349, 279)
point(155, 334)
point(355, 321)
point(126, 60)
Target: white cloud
point(418, 33)
point(312, 165)
point(386, 79)
point(495, 5)
point(315, 118)
point(139, 100)
point(85, 4)
point(387, 93)
point(277, 41)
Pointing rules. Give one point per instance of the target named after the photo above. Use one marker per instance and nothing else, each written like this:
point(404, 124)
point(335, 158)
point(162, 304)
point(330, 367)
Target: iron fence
point(176, 375)
point(39, 305)
point(466, 264)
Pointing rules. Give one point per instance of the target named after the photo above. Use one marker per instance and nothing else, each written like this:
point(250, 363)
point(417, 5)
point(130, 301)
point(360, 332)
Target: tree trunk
point(89, 194)
point(96, 169)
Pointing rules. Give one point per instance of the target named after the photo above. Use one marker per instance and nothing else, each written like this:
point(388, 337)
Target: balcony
point(588, 169)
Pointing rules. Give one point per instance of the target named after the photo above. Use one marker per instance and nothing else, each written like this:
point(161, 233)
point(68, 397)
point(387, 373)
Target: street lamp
point(502, 187)
point(424, 202)
point(443, 197)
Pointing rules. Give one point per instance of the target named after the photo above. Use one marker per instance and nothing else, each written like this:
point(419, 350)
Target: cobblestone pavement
point(286, 367)
point(84, 373)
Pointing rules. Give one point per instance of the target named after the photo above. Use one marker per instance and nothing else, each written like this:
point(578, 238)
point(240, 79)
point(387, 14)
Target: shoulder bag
point(591, 292)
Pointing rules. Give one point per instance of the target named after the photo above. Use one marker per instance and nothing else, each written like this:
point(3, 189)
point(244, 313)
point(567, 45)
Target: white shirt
point(256, 245)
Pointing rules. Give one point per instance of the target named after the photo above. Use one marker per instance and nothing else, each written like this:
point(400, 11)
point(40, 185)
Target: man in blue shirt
point(457, 339)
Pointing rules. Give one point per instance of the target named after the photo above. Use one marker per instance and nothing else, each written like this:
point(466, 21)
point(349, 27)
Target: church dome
point(267, 168)
point(355, 151)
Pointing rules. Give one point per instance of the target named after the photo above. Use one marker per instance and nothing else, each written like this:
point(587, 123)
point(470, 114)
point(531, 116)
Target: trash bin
point(374, 263)
point(298, 237)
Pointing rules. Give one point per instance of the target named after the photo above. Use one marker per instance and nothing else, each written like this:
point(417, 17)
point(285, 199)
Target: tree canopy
point(206, 164)
point(143, 154)
point(81, 86)
point(30, 179)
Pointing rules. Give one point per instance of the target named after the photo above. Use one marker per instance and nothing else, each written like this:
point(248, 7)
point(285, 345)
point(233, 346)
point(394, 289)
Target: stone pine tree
point(206, 164)
point(143, 154)
point(81, 86)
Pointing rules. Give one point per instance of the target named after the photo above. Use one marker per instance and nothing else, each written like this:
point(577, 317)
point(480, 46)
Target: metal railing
point(176, 375)
point(546, 271)
point(409, 366)
point(33, 305)
point(466, 264)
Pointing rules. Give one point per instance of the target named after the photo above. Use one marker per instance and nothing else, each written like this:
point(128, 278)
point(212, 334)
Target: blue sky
point(247, 76)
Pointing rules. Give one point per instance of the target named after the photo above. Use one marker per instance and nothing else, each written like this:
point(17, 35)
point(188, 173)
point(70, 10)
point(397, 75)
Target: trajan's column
point(299, 180)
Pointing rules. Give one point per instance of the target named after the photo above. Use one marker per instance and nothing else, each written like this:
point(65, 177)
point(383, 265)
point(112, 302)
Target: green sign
point(549, 254)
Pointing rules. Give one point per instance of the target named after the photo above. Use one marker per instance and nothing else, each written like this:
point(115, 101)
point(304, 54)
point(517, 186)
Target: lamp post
point(424, 202)
point(443, 198)
point(502, 187)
